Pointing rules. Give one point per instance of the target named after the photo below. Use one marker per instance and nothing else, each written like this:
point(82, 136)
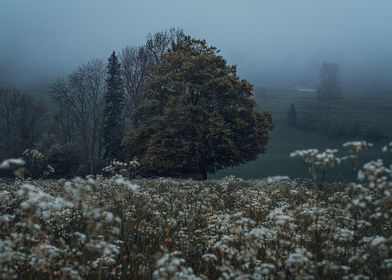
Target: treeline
point(173, 104)
point(23, 122)
point(73, 137)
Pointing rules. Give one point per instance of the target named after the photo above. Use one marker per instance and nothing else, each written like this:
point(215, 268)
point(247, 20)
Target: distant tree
point(137, 68)
point(83, 92)
point(292, 116)
point(113, 129)
point(64, 119)
point(159, 43)
point(31, 121)
point(198, 116)
point(9, 100)
point(22, 122)
point(330, 82)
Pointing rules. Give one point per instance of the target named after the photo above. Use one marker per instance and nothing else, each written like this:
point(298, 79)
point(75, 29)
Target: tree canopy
point(198, 115)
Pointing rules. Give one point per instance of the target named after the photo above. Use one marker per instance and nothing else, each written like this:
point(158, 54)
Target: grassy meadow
point(367, 108)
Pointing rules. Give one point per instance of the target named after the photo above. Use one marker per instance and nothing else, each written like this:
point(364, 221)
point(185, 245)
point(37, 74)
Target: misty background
point(276, 44)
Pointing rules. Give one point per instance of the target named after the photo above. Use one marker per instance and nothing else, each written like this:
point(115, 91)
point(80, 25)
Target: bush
point(36, 166)
point(64, 159)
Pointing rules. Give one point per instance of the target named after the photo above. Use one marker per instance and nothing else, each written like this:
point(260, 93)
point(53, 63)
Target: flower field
point(98, 228)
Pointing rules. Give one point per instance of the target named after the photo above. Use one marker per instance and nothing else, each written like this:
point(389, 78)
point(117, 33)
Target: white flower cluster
point(356, 147)
point(171, 266)
point(329, 160)
point(42, 203)
point(121, 168)
point(120, 180)
point(298, 261)
point(114, 167)
point(316, 160)
point(326, 159)
point(134, 163)
point(387, 148)
point(12, 163)
point(33, 154)
point(276, 179)
point(59, 229)
point(375, 173)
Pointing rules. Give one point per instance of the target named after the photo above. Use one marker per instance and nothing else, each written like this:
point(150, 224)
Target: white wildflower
point(12, 162)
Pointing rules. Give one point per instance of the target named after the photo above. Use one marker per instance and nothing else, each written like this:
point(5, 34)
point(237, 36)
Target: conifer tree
point(292, 116)
point(113, 113)
point(198, 116)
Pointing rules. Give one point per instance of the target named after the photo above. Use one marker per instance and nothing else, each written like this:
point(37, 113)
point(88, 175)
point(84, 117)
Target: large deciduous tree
point(198, 115)
point(113, 129)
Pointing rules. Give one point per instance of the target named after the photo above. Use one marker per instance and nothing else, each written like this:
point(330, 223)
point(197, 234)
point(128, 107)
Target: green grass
point(368, 109)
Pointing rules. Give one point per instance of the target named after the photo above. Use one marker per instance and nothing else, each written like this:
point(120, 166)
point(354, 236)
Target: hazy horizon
point(275, 44)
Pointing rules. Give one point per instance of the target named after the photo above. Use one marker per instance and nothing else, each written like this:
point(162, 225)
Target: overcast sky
point(273, 42)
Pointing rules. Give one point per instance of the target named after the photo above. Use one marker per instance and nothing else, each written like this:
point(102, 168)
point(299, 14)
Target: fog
point(276, 44)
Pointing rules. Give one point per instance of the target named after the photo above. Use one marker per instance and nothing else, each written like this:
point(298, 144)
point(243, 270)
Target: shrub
point(65, 160)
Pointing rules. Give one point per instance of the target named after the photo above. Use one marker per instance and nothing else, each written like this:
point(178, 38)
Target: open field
point(364, 107)
point(164, 229)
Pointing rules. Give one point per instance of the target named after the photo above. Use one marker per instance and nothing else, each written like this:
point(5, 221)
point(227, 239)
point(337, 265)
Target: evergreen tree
point(113, 113)
point(198, 116)
point(292, 116)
